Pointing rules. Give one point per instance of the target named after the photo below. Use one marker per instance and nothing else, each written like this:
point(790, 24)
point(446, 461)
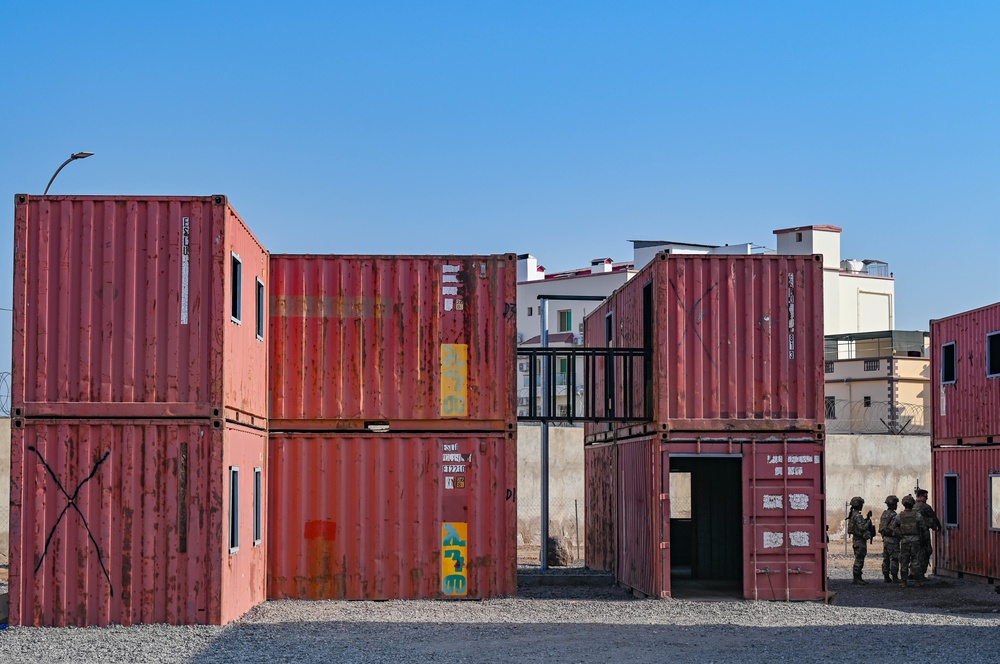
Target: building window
point(948, 363)
point(258, 476)
point(993, 354)
point(868, 402)
point(829, 367)
point(873, 365)
point(566, 320)
point(562, 410)
point(529, 311)
point(951, 500)
point(994, 502)
point(798, 237)
point(260, 309)
point(831, 408)
point(234, 509)
point(237, 288)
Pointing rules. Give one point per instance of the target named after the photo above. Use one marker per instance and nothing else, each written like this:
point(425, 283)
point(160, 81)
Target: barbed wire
point(844, 416)
point(5, 393)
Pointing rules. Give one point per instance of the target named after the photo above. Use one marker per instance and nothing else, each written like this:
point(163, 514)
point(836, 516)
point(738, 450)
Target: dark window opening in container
point(237, 288)
point(260, 309)
point(993, 354)
point(951, 500)
point(706, 530)
point(566, 320)
point(609, 330)
point(831, 408)
point(829, 367)
point(868, 402)
point(234, 509)
point(647, 348)
point(948, 363)
point(994, 502)
point(257, 489)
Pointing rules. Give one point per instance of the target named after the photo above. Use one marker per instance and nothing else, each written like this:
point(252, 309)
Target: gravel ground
point(947, 620)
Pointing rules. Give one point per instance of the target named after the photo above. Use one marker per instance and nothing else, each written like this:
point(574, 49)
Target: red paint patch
point(326, 530)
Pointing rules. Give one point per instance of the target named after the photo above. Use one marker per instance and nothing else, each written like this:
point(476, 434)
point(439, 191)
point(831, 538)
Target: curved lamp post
point(72, 157)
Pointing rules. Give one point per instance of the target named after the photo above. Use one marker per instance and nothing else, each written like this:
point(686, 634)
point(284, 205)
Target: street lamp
point(72, 157)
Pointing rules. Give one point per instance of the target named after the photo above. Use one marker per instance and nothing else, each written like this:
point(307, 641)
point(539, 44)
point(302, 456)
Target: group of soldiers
point(905, 535)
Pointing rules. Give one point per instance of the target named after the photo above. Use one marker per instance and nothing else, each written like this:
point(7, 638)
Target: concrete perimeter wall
point(565, 484)
point(5, 491)
point(872, 466)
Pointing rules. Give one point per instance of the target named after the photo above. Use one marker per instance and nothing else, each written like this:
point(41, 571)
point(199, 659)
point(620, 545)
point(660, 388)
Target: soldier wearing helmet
point(930, 518)
point(887, 527)
point(860, 528)
point(912, 531)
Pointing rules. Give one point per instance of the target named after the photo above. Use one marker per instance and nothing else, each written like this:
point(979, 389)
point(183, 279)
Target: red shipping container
point(421, 343)
point(966, 498)
point(367, 516)
point(752, 514)
point(965, 393)
point(735, 343)
point(124, 307)
point(128, 521)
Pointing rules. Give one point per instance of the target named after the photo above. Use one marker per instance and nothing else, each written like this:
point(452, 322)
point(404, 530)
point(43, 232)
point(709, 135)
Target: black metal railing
point(582, 385)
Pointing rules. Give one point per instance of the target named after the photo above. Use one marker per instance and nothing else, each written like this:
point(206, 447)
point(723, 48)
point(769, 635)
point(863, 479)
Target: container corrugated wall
point(778, 536)
point(122, 522)
point(422, 342)
point(600, 472)
point(123, 308)
point(368, 516)
point(737, 341)
point(969, 407)
point(972, 547)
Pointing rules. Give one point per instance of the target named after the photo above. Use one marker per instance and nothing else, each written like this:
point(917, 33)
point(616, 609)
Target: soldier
point(930, 518)
point(911, 531)
point(887, 526)
point(862, 530)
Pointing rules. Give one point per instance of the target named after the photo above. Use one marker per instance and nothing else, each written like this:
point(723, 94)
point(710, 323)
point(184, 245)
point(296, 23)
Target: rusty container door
point(124, 307)
point(600, 472)
point(785, 524)
point(737, 342)
point(638, 564)
point(116, 522)
point(966, 498)
point(964, 396)
point(371, 516)
point(422, 343)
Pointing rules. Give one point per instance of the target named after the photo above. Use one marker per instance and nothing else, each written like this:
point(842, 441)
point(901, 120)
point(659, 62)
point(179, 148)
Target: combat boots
point(858, 581)
point(895, 578)
point(888, 579)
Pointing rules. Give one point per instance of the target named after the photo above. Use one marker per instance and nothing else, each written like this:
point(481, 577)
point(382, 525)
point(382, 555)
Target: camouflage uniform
point(887, 527)
point(912, 532)
point(932, 522)
point(860, 528)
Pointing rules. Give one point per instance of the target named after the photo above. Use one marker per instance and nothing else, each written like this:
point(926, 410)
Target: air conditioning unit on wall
point(522, 401)
point(523, 367)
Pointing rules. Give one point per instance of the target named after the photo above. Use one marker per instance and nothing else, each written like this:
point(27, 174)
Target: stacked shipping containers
point(733, 396)
point(139, 410)
point(392, 443)
point(965, 455)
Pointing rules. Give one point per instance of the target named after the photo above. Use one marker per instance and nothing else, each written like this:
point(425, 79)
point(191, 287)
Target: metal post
point(545, 439)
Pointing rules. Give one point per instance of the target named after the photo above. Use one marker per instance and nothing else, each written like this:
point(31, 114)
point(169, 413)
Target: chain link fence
point(879, 417)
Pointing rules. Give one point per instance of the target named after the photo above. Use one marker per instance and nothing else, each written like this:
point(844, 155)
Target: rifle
point(871, 528)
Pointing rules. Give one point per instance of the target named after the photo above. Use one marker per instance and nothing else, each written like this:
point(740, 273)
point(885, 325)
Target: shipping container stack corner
point(139, 411)
point(965, 443)
point(722, 484)
point(392, 445)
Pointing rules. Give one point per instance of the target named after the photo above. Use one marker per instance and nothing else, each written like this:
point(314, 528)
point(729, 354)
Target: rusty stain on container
point(971, 545)
point(123, 307)
point(756, 498)
point(736, 342)
point(357, 339)
point(122, 522)
point(365, 516)
point(967, 405)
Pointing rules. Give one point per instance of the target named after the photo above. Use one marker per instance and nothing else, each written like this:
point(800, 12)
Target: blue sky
point(563, 129)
